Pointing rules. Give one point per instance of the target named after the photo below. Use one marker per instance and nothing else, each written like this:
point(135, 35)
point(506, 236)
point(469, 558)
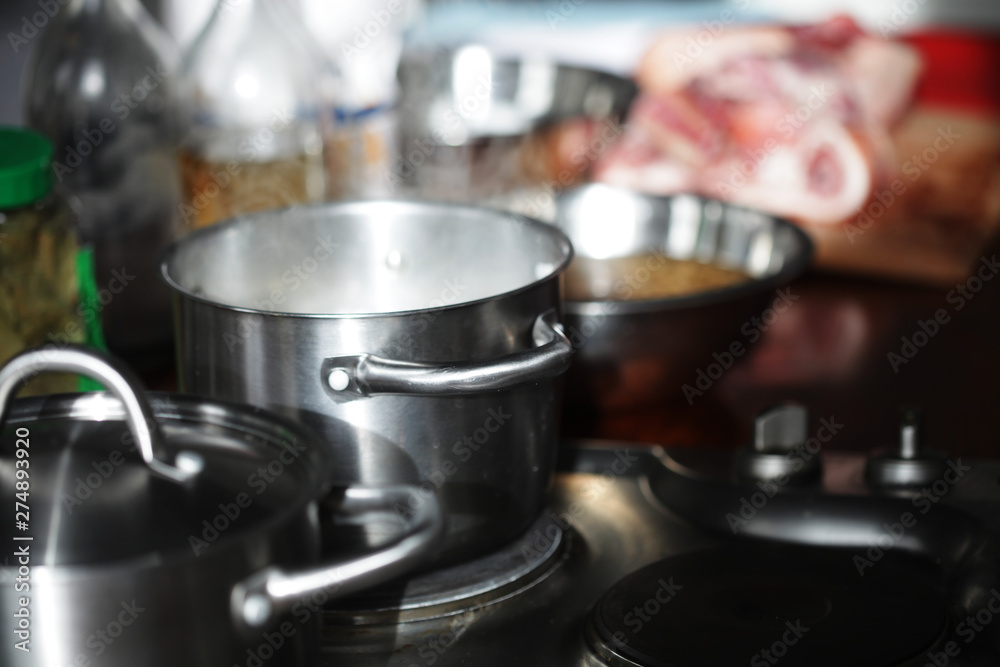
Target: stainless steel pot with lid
point(421, 340)
point(168, 530)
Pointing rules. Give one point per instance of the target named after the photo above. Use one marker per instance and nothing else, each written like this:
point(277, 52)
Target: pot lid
point(120, 475)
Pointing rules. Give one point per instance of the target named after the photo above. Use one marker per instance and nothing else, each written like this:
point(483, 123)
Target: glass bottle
point(43, 272)
point(100, 86)
point(365, 39)
point(256, 92)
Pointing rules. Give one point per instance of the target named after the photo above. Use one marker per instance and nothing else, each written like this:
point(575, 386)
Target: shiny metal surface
point(470, 122)
point(780, 429)
point(640, 352)
point(778, 453)
point(367, 375)
point(264, 302)
point(452, 590)
point(118, 564)
point(265, 597)
point(115, 378)
point(629, 507)
point(910, 463)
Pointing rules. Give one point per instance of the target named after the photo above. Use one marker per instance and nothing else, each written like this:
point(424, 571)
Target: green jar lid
point(25, 156)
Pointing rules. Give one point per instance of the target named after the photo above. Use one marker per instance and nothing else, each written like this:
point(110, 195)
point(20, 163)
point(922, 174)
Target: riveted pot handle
point(261, 598)
point(361, 375)
point(118, 380)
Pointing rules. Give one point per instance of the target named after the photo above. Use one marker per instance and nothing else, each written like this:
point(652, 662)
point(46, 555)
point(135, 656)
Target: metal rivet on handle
point(339, 379)
point(256, 610)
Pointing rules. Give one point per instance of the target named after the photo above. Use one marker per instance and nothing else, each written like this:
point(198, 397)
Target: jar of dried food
point(41, 264)
point(257, 94)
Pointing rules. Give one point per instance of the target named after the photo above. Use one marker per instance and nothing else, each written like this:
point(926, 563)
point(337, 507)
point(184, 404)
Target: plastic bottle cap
point(25, 176)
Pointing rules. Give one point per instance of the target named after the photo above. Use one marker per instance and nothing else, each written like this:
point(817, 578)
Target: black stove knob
point(910, 463)
point(780, 451)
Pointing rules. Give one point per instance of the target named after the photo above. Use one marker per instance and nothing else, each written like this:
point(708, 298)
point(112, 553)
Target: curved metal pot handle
point(118, 380)
point(265, 595)
point(353, 376)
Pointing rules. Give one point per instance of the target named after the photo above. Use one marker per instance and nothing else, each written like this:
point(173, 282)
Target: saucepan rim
point(562, 242)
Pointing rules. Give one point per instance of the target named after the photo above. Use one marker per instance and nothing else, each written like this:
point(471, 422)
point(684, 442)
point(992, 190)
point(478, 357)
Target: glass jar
point(41, 265)
point(256, 92)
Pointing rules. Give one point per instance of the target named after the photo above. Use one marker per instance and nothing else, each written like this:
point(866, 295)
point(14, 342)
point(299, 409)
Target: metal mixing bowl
point(472, 125)
point(631, 353)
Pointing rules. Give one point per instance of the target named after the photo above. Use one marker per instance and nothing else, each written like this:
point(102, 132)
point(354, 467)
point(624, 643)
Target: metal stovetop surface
point(626, 506)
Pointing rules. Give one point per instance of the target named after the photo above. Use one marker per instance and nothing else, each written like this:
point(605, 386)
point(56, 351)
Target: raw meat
point(794, 121)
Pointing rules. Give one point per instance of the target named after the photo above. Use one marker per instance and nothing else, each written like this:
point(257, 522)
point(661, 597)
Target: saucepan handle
point(118, 380)
point(265, 595)
point(359, 375)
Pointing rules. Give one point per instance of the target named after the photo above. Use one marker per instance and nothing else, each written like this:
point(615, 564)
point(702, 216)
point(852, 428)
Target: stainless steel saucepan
point(474, 126)
point(422, 340)
point(164, 530)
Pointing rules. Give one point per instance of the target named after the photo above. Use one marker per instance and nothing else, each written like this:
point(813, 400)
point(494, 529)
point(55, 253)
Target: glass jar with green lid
point(42, 268)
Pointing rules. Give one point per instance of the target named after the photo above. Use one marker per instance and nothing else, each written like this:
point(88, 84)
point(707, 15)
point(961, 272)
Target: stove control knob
point(910, 464)
point(779, 452)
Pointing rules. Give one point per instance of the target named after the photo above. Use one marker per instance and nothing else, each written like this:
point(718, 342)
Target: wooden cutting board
point(929, 219)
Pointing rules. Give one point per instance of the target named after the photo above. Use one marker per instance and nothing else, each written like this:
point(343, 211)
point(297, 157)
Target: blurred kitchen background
point(526, 24)
point(873, 287)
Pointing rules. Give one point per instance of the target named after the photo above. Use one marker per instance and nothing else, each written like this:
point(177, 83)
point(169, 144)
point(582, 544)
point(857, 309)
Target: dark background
point(12, 64)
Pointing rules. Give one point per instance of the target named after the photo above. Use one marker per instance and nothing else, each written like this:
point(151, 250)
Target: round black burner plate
point(769, 604)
